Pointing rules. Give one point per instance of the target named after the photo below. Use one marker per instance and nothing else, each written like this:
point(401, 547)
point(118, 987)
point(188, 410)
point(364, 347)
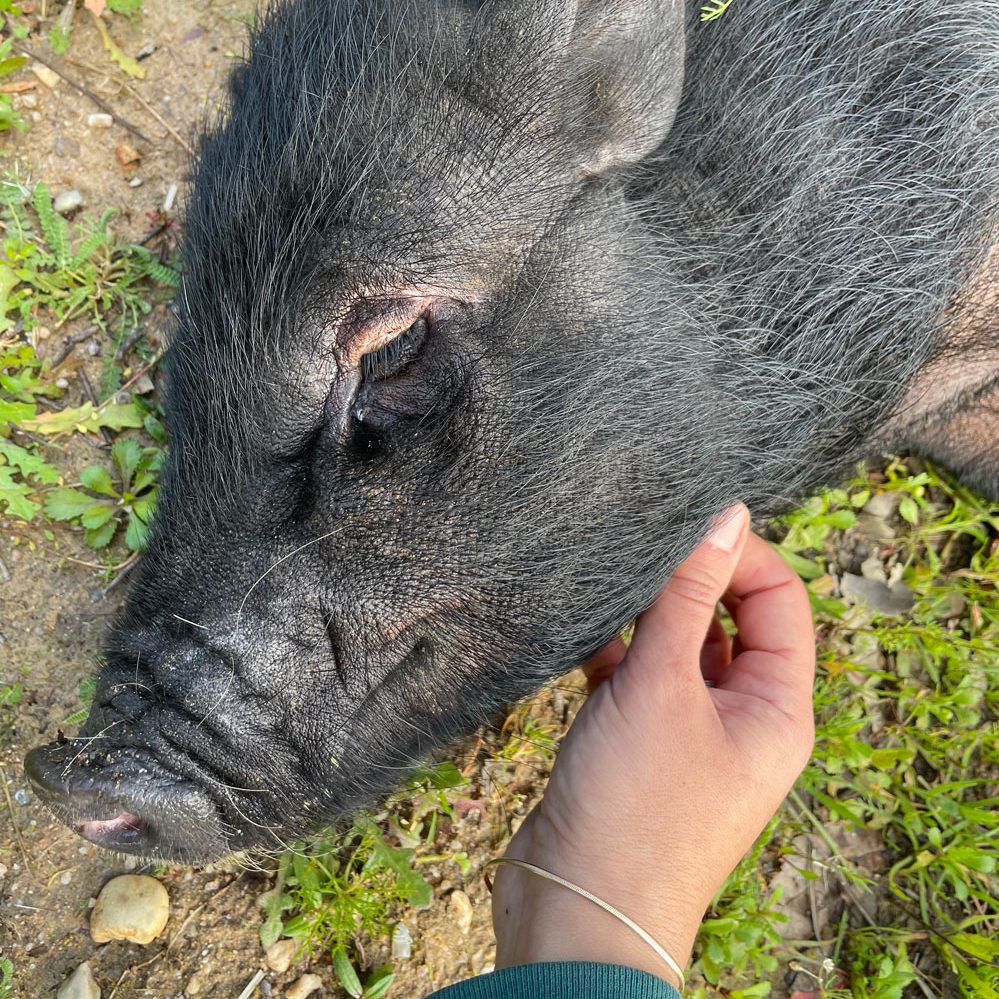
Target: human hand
point(663, 783)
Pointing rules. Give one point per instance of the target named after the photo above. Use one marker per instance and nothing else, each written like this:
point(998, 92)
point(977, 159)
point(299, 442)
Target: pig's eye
point(395, 356)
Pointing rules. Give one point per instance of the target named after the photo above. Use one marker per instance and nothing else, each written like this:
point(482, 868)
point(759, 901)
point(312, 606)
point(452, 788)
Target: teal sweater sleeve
point(564, 980)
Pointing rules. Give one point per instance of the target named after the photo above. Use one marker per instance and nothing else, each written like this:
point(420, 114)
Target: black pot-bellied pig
point(488, 306)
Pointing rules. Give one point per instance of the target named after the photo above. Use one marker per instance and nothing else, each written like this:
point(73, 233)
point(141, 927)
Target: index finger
point(776, 660)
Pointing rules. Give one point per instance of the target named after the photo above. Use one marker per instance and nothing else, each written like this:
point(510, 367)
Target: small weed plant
point(106, 503)
point(46, 270)
point(339, 888)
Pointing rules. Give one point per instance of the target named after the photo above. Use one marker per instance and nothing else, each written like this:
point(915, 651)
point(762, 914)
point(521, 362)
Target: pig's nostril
point(124, 829)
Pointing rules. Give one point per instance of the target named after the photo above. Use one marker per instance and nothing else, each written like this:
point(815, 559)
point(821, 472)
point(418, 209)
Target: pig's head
point(439, 417)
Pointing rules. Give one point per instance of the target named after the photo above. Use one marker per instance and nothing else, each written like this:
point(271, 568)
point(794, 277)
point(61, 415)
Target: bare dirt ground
point(53, 611)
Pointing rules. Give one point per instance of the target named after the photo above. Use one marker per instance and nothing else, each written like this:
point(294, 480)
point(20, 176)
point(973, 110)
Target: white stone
point(80, 985)
point(99, 120)
point(279, 955)
point(460, 907)
point(132, 907)
point(48, 76)
point(67, 201)
point(305, 986)
point(402, 941)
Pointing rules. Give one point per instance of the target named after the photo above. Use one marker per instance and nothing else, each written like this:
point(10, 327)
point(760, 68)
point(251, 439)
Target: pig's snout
point(124, 800)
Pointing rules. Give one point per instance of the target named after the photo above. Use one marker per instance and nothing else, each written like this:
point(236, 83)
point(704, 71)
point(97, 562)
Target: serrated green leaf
point(97, 516)
point(15, 412)
point(126, 455)
point(136, 535)
point(982, 947)
point(98, 478)
point(841, 519)
point(67, 503)
point(100, 537)
point(29, 463)
point(270, 930)
point(144, 478)
point(346, 975)
point(145, 507)
point(53, 225)
point(15, 496)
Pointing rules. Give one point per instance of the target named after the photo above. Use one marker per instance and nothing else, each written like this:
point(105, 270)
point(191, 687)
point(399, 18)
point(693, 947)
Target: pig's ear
point(624, 62)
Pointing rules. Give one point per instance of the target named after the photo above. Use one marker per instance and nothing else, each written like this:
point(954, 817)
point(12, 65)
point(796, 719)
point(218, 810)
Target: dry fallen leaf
point(124, 62)
point(96, 7)
point(128, 156)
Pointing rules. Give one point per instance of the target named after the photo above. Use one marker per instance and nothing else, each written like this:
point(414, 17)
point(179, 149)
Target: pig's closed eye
point(396, 355)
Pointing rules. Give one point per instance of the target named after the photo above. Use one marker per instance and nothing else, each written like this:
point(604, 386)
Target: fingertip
point(728, 528)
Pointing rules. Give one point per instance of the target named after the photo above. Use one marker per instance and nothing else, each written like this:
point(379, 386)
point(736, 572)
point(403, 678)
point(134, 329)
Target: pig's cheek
point(340, 401)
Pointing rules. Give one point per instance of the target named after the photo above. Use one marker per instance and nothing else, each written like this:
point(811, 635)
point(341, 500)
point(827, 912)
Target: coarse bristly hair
point(659, 266)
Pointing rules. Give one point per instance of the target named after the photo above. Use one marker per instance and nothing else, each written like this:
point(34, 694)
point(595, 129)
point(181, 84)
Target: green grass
point(907, 748)
point(53, 273)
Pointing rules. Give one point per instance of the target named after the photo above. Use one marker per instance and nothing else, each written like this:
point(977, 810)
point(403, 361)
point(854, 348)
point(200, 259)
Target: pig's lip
point(124, 799)
point(125, 829)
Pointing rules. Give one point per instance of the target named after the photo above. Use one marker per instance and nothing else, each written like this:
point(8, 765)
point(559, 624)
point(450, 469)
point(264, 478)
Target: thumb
point(673, 629)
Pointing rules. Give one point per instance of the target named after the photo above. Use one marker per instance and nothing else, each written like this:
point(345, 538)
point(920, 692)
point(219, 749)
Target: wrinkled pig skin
point(487, 308)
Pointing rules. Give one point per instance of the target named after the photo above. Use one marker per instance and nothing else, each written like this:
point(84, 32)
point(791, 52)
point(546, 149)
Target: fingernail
point(728, 527)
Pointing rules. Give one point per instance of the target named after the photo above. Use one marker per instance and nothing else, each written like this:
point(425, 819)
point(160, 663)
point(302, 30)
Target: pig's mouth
point(122, 830)
point(124, 799)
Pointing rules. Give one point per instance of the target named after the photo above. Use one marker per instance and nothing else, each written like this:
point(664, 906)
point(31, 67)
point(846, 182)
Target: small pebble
point(67, 201)
point(22, 797)
point(63, 383)
point(99, 120)
point(28, 101)
point(460, 907)
point(146, 51)
point(265, 988)
point(130, 907)
point(80, 985)
point(93, 348)
point(135, 182)
point(66, 877)
point(305, 986)
point(171, 196)
point(279, 955)
point(402, 941)
point(49, 77)
point(66, 147)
